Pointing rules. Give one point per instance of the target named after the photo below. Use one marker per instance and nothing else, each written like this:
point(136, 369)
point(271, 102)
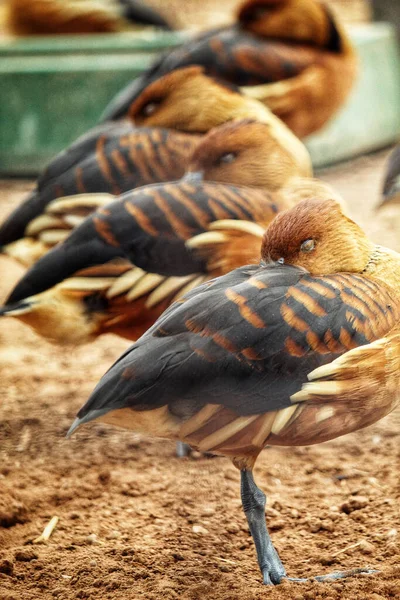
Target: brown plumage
point(226, 368)
point(75, 300)
point(185, 99)
point(109, 159)
point(114, 158)
point(284, 240)
point(291, 54)
point(371, 372)
point(248, 153)
point(38, 17)
point(308, 100)
point(175, 236)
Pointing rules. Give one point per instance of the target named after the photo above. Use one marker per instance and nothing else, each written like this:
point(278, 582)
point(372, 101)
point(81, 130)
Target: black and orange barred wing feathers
point(151, 227)
point(231, 54)
point(112, 158)
point(221, 368)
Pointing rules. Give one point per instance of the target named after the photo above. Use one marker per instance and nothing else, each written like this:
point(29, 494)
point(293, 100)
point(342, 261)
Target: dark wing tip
point(15, 308)
point(138, 12)
point(73, 427)
point(92, 415)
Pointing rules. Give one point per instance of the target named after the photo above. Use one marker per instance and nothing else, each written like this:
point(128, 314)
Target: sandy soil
point(136, 522)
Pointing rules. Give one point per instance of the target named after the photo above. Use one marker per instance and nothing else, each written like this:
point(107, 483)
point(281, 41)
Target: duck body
point(238, 349)
point(172, 116)
point(87, 283)
point(110, 159)
point(278, 354)
point(231, 54)
point(41, 17)
point(272, 62)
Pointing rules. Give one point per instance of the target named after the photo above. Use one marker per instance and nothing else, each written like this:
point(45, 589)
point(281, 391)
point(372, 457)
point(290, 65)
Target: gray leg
point(182, 450)
point(253, 501)
point(271, 567)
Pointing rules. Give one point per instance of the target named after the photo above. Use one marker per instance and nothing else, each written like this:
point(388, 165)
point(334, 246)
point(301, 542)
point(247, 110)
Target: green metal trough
point(54, 89)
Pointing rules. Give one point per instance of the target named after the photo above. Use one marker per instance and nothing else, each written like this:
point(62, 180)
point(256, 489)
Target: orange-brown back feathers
point(304, 21)
point(27, 17)
point(306, 101)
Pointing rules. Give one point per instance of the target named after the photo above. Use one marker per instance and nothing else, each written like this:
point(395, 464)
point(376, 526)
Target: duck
point(391, 184)
point(262, 354)
point(105, 162)
point(119, 269)
point(126, 262)
point(116, 157)
point(293, 55)
point(52, 17)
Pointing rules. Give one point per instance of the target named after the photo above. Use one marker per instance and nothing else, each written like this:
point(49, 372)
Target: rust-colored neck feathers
point(246, 153)
point(319, 237)
point(303, 21)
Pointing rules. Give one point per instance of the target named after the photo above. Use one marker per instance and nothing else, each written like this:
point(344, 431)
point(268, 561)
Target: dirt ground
point(136, 522)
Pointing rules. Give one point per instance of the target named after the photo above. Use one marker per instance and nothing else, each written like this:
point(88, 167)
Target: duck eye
point(307, 246)
point(227, 158)
point(149, 108)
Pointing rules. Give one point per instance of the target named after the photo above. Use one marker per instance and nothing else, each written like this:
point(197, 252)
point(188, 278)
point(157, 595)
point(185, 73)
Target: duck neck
point(384, 264)
point(304, 188)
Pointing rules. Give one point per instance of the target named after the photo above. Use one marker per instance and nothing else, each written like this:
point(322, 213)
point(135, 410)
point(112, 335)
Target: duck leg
point(182, 449)
point(271, 567)
point(253, 502)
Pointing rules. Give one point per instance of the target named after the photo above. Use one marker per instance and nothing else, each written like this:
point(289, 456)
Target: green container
point(370, 118)
point(54, 89)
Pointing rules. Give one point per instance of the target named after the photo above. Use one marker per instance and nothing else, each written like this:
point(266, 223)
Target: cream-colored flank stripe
point(147, 283)
point(166, 288)
point(198, 420)
point(226, 432)
point(282, 418)
point(125, 282)
point(41, 223)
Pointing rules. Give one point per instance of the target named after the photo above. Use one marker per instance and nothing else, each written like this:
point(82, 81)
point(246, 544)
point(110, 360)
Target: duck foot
point(182, 450)
point(334, 576)
point(271, 567)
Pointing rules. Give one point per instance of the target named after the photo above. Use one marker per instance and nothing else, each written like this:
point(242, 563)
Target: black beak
point(193, 176)
point(268, 262)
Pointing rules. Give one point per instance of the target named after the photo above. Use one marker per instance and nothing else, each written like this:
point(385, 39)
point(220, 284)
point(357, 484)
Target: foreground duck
point(225, 369)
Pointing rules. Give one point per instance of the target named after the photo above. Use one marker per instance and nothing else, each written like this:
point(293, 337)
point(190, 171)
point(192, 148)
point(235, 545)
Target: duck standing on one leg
point(224, 368)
